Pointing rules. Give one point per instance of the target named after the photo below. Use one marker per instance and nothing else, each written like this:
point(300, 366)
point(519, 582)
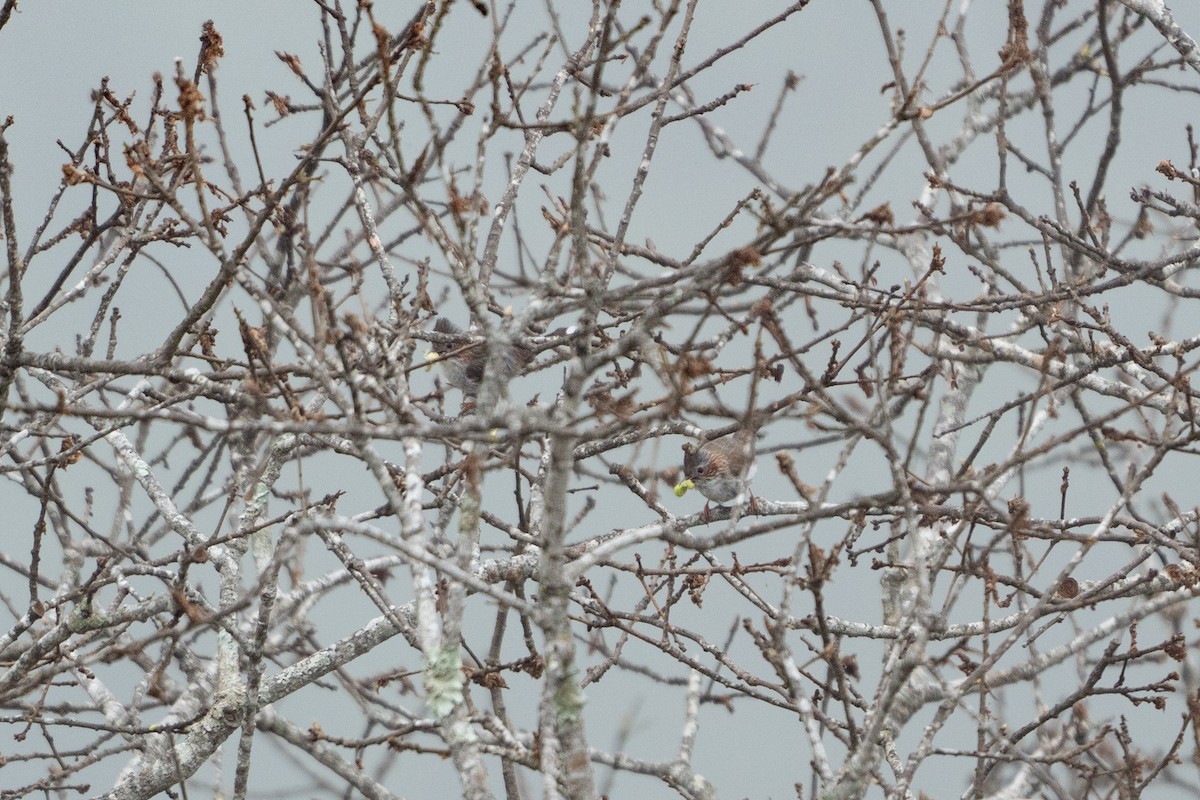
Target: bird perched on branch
point(720, 468)
point(464, 364)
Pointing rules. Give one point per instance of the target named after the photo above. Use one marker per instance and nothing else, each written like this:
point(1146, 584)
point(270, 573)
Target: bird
point(720, 468)
point(463, 365)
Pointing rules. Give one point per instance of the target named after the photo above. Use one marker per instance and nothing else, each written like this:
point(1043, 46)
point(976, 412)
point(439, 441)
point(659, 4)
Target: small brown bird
point(720, 468)
point(464, 364)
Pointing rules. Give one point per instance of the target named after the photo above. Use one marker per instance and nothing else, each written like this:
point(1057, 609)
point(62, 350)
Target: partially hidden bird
point(464, 364)
point(721, 469)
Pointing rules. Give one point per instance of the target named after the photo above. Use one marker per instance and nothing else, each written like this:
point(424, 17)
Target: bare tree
point(959, 356)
